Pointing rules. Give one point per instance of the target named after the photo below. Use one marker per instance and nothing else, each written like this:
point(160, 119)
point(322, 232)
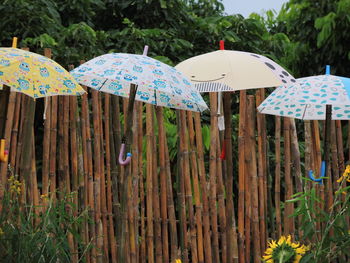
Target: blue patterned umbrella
point(322, 97)
point(307, 99)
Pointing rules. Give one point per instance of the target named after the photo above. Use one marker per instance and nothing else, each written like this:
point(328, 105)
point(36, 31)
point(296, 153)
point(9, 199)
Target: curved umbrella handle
point(121, 155)
point(323, 171)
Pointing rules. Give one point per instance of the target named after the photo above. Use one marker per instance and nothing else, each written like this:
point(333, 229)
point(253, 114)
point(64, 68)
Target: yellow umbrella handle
point(3, 152)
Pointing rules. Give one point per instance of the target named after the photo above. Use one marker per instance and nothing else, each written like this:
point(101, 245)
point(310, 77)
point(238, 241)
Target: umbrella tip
point(328, 69)
point(145, 50)
point(222, 45)
point(14, 42)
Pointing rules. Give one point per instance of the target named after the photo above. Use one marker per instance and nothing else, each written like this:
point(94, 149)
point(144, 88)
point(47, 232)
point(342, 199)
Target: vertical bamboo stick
point(334, 167)
point(109, 182)
point(289, 209)
point(232, 246)
point(221, 204)
point(19, 145)
point(7, 136)
point(340, 146)
point(171, 208)
point(181, 193)
point(53, 146)
point(97, 172)
point(204, 189)
point(156, 206)
point(14, 133)
point(133, 189)
point(187, 183)
point(163, 183)
point(278, 175)
point(261, 130)
point(212, 175)
point(196, 189)
point(241, 176)
point(252, 173)
point(149, 183)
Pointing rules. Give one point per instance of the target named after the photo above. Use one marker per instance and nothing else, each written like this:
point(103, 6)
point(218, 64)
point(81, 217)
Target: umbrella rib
point(304, 112)
point(103, 84)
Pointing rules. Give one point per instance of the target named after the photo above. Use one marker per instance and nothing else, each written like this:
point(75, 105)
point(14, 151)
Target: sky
point(245, 7)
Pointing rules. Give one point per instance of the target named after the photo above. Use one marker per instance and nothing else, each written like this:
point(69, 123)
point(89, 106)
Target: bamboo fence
point(200, 205)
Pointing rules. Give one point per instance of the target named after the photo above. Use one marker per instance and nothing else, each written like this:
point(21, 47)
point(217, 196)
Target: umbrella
point(33, 75)
point(229, 70)
point(142, 78)
point(322, 97)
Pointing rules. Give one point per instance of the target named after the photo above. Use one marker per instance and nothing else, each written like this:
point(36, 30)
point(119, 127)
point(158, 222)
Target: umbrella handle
point(3, 152)
point(323, 171)
point(121, 155)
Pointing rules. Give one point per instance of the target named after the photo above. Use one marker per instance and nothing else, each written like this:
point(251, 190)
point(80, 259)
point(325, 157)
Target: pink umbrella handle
point(121, 155)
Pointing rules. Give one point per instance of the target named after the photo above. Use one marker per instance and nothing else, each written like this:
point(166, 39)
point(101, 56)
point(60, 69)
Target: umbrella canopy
point(157, 83)
point(228, 70)
point(35, 75)
point(307, 99)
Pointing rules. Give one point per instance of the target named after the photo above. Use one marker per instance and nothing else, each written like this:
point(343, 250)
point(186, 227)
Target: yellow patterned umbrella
point(35, 75)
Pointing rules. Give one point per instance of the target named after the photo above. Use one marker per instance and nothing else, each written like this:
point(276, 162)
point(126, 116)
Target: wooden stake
point(278, 176)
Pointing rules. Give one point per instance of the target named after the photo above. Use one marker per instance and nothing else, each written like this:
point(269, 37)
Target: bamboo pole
point(212, 175)
point(46, 138)
point(53, 147)
point(86, 135)
point(289, 207)
point(203, 188)
point(261, 131)
point(196, 188)
point(163, 184)
point(232, 246)
point(181, 192)
point(97, 172)
point(248, 185)
point(221, 204)
point(278, 176)
point(109, 182)
point(149, 184)
point(241, 176)
point(171, 208)
point(133, 190)
point(156, 205)
point(252, 174)
point(7, 136)
point(296, 165)
point(14, 133)
point(184, 148)
point(334, 175)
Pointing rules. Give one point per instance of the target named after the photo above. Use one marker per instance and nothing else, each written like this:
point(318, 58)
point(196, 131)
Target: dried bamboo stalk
point(149, 184)
point(7, 136)
point(163, 184)
point(289, 207)
point(171, 208)
point(109, 182)
point(252, 173)
point(156, 206)
point(53, 146)
point(196, 189)
point(278, 175)
point(241, 176)
point(213, 174)
point(184, 148)
point(221, 204)
point(14, 133)
point(261, 130)
point(232, 245)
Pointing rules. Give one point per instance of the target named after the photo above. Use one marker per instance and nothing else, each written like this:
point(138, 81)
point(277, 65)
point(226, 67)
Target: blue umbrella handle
point(121, 156)
point(323, 171)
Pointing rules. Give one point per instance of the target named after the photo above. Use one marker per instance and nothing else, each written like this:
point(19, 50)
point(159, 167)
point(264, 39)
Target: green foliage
point(27, 236)
point(327, 230)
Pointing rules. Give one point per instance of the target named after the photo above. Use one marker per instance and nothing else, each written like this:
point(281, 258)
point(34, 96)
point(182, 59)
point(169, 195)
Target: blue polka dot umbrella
point(308, 98)
point(322, 97)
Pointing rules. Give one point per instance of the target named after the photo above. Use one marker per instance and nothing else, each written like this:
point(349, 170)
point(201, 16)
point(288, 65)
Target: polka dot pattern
point(307, 99)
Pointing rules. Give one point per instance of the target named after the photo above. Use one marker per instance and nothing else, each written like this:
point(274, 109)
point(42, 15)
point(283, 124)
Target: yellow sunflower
point(284, 251)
